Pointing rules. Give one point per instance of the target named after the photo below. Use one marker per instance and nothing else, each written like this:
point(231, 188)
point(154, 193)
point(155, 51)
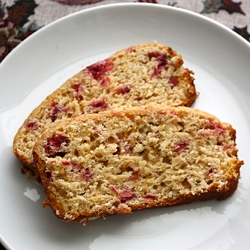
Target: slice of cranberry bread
point(129, 159)
point(134, 76)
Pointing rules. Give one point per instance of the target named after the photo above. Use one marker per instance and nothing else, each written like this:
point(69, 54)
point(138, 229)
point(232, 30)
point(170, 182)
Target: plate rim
point(129, 4)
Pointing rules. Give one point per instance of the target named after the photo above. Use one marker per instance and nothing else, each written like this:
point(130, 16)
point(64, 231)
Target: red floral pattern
point(14, 25)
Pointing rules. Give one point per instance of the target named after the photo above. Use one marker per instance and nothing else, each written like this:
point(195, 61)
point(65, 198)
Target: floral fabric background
point(21, 18)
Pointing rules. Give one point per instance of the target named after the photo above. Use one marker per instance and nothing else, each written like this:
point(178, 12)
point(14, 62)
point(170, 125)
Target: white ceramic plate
point(220, 60)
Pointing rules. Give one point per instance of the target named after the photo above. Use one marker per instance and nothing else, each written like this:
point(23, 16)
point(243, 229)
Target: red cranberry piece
point(126, 195)
point(122, 90)
point(173, 81)
point(98, 70)
point(161, 59)
point(78, 90)
point(99, 104)
point(74, 165)
point(31, 125)
point(105, 82)
point(211, 124)
point(181, 146)
point(64, 109)
point(54, 144)
point(154, 54)
point(227, 146)
point(76, 168)
point(65, 162)
point(217, 128)
point(56, 110)
point(86, 174)
point(135, 176)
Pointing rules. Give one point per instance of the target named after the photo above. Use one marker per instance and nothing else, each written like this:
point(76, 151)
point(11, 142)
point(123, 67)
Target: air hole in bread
point(209, 182)
point(163, 184)
point(185, 183)
point(181, 124)
point(166, 159)
point(111, 140)
point(60, 154)
point(76, 153)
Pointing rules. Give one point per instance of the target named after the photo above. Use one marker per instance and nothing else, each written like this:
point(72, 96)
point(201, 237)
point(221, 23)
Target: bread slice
point(123, 160)
point(134, 76)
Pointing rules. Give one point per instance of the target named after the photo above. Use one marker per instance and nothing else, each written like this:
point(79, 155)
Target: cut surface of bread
point(134, 76)
point(128, 159)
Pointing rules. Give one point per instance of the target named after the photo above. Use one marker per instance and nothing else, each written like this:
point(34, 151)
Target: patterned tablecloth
point(21, 18)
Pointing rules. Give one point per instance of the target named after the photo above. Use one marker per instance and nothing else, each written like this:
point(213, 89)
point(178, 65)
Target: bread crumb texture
point(125, 159)
point(135, 76)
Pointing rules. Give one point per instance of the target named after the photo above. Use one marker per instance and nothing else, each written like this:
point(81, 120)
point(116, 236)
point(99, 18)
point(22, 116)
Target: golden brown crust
point(209, 195)
point(130, 159)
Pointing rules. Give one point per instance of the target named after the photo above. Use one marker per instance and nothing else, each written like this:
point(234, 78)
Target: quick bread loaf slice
point(134, 76)
point(123, 160)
